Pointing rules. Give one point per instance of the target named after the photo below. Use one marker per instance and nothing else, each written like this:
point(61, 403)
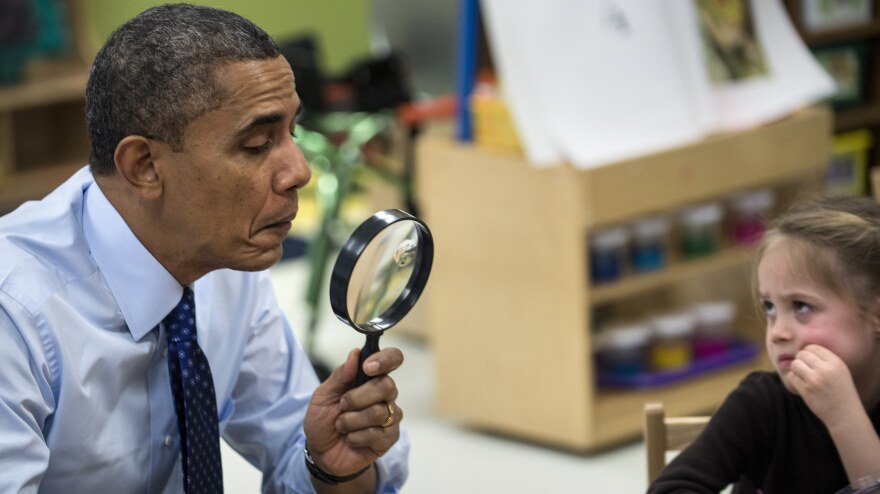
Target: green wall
point(341, 26)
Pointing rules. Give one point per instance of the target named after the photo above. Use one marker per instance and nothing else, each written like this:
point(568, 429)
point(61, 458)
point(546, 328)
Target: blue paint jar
point(608, 254)
point(650, 243)
point(623, 349)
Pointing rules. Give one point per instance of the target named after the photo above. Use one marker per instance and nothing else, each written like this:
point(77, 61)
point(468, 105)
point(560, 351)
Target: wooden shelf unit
point(43, 136)
point(510, 307)
point(866, 114)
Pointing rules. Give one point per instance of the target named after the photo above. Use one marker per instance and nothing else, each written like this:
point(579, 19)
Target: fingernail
point(343, 404)
point(338, 426)
point(371, 366)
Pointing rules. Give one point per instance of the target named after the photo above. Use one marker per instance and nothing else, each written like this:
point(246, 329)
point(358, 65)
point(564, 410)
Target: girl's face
point(799, 312)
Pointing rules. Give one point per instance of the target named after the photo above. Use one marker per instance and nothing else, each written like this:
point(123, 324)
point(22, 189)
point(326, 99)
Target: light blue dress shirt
point(85, 401)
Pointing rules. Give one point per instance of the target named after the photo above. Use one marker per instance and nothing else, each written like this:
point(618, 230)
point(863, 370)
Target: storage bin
point(848, 166)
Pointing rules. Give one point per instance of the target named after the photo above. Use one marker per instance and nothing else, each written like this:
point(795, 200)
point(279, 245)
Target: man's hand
point(343, 425)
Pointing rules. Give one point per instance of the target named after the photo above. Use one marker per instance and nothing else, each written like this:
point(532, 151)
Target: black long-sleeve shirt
point(762, 435)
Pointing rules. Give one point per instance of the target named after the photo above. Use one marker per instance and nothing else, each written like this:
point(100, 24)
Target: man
point(162, 244)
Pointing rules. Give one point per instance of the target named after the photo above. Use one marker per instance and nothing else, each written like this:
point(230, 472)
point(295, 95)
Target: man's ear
point(136, 162)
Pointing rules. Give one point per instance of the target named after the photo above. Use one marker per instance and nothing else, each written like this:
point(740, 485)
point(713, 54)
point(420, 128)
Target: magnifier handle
point(370, 347)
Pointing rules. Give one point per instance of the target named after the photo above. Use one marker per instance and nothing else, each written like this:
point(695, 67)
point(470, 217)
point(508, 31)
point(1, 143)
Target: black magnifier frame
point(344, 267)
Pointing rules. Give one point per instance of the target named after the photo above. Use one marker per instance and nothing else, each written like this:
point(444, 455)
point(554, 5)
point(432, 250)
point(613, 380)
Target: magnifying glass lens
point(382, 272)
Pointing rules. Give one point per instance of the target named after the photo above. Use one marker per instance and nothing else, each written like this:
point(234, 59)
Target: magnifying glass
point(380, 274)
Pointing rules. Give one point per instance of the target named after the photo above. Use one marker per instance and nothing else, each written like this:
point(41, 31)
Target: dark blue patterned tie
point(194, 401)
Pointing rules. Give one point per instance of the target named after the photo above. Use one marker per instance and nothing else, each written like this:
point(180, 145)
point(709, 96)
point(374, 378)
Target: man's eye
point(258, 149)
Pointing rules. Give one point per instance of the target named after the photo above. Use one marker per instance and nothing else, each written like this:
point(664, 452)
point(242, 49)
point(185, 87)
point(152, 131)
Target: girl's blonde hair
point(837, 242)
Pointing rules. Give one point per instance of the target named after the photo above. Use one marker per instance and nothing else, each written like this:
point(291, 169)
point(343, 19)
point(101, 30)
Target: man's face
point(231, 193)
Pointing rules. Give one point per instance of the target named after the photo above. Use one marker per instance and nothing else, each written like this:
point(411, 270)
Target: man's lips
point(284, 222)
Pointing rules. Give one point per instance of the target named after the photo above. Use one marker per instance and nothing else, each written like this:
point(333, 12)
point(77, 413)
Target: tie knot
point(180, 323)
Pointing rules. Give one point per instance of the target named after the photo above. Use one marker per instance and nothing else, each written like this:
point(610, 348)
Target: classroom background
point(595, 174)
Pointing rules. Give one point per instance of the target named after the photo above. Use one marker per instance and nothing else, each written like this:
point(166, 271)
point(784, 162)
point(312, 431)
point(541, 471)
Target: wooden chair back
point(663, 434)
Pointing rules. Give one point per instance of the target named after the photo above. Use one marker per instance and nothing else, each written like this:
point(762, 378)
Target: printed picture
point(732, 48)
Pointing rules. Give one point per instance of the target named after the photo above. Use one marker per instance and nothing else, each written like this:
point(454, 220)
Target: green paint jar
point(700, 233)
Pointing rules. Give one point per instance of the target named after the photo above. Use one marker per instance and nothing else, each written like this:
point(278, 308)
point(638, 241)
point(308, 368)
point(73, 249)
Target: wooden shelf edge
point(673, 273)
point(618, 414)
point(44, 91)
point(858, 116)
point(707, 169)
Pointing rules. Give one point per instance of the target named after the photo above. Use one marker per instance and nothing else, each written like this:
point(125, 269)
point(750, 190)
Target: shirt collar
point(145, 291)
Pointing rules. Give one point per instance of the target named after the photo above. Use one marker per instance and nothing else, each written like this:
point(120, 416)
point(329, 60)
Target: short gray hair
point(155, 74)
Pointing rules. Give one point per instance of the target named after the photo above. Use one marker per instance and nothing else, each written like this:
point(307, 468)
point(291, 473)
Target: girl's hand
point(823, 380)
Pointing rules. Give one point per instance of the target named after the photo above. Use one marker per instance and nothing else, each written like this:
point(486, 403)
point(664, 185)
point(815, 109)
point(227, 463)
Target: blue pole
point(466, 62)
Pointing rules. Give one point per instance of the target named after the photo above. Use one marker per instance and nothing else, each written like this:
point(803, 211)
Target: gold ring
point(390, 419)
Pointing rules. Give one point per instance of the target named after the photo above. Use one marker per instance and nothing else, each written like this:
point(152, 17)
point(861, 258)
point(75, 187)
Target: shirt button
point(169, 440)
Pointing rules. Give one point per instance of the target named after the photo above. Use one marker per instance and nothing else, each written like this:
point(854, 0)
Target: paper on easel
point(513, 62)
point(630, 86)
point(793, 77)
point(594, 82)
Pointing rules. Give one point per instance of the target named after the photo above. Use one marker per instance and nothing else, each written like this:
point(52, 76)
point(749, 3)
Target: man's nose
point(295, 172)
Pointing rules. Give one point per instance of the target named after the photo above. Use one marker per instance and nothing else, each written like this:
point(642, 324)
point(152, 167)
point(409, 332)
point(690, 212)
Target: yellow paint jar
point(672, 346)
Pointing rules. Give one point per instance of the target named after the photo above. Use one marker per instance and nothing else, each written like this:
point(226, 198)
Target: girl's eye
point(294, 135)
point(800, 307)
point(768, 307)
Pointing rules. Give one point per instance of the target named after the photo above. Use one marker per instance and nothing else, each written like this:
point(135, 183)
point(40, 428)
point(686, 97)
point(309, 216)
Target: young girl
point(810, 427)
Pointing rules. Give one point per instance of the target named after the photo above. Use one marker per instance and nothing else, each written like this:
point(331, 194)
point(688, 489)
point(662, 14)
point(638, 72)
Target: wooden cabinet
point(43, 137)
point(510, 306)
point(865, 114)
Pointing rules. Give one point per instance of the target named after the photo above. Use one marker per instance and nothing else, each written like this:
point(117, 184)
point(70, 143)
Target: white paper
point(627, 88)
point(518, 88)
point(592, 82)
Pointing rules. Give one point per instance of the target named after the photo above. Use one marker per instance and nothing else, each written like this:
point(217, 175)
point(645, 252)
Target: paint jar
point(608, 254)
point(750, 213)
point(701, 230)
point(622, 349)
point(649, 243)
point(714, 327)
point(672, 345)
